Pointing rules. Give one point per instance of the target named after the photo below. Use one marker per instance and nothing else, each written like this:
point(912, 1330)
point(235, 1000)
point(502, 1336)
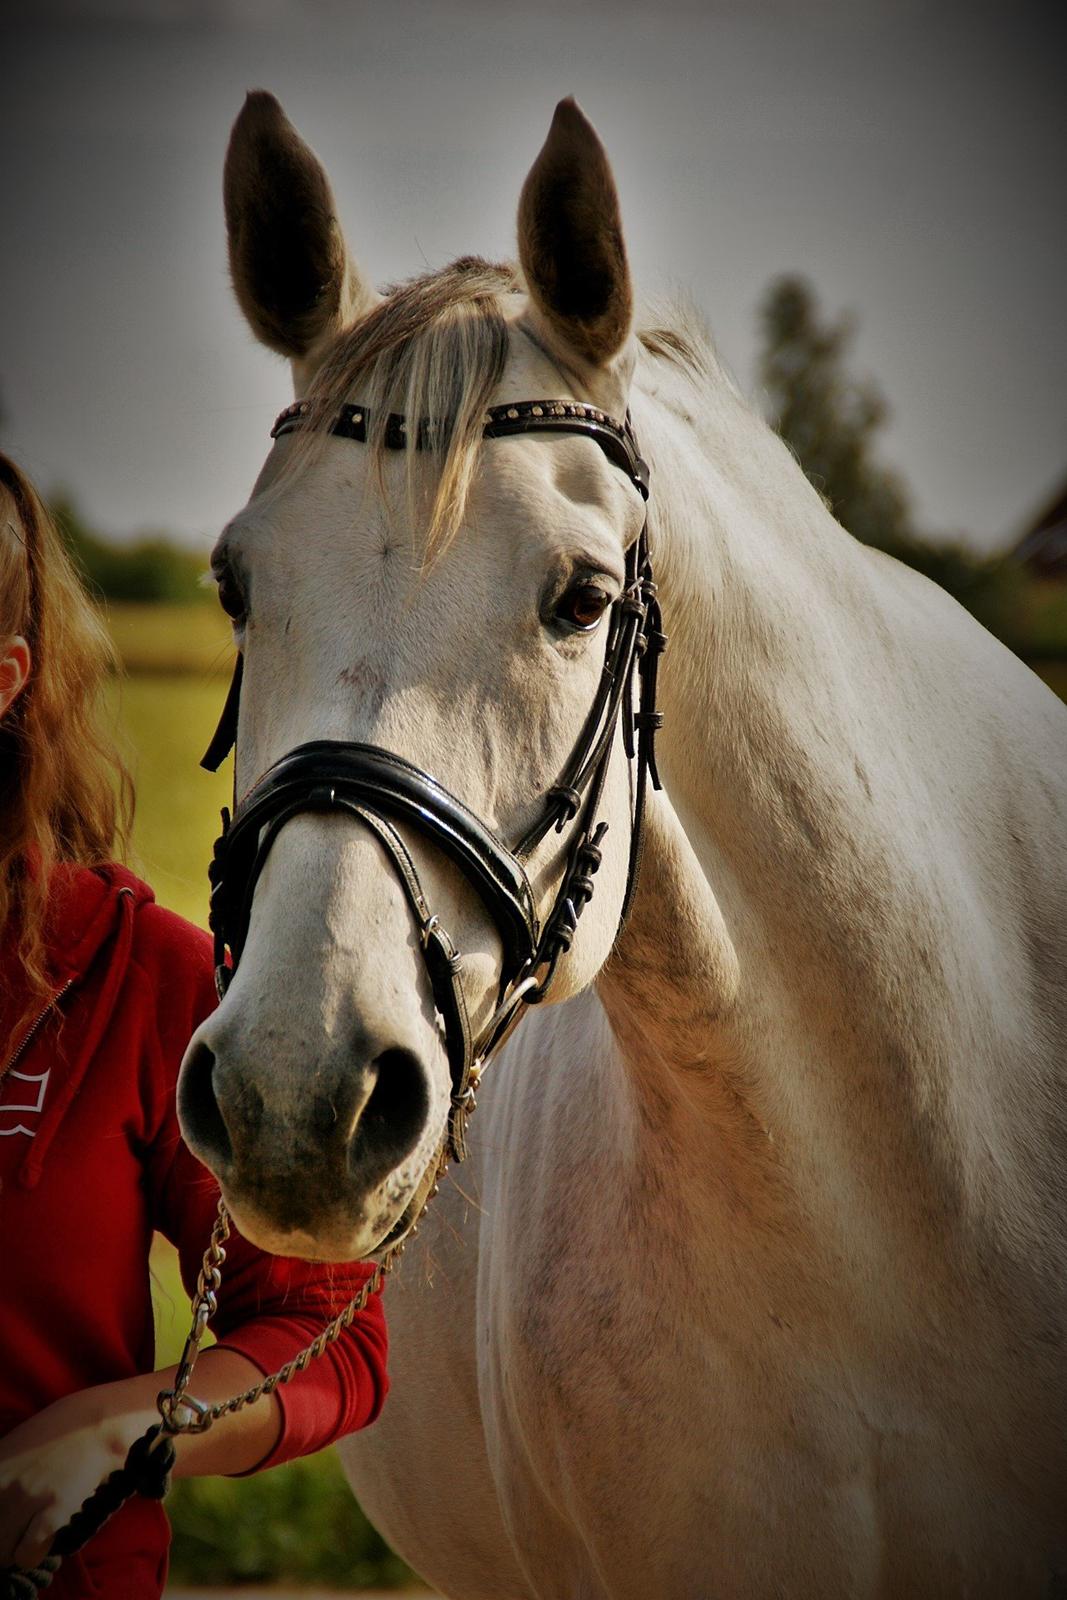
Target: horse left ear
point(291, 270)
point(570, 241)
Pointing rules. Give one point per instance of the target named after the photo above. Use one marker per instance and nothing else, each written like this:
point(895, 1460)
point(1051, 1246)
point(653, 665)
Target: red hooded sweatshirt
point(92, 1161)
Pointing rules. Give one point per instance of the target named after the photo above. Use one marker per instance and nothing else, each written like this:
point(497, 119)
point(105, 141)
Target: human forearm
point(53, 1461)
point(118, 1413)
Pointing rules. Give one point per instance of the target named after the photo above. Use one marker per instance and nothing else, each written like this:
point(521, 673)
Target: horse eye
point(582, 606)
point(231, 599)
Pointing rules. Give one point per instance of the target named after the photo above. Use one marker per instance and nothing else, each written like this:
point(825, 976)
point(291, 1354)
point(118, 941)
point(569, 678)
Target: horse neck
point(815, 937)
point(773, 682)
point(766, 596)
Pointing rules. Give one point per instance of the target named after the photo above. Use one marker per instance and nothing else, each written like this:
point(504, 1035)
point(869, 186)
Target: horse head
point(448, 604)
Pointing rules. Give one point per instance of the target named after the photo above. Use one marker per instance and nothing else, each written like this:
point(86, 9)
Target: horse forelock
point(436, 347)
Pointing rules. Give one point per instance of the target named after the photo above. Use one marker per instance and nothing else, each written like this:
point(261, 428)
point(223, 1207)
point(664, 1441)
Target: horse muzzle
point(317, 1160)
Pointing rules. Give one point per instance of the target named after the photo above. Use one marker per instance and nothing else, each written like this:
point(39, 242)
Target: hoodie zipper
point(34, 1029)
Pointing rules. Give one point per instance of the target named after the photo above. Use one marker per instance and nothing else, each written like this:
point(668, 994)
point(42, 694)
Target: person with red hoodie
point(100, 989)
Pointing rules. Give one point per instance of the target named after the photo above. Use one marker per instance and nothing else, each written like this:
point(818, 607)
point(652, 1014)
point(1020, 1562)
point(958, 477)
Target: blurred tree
point(151, 569)
point(828, 418)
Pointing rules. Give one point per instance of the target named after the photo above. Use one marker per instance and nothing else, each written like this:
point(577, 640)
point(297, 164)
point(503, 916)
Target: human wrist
point(118, 1430)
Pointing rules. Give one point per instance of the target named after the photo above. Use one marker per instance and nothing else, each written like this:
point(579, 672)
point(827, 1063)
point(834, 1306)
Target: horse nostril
point(394, 1115)
point(202, 1121)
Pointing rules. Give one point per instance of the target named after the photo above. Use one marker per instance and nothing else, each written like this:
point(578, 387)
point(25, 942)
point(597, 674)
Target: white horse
point(755, 1281)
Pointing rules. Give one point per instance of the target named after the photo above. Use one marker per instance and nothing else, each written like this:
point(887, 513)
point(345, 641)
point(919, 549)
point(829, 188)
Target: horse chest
point(627, 1408)
point(514, 1460)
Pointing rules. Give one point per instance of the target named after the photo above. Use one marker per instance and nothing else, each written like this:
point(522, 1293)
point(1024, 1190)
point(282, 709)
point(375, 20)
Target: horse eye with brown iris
point(582, 606)
point(231, 599)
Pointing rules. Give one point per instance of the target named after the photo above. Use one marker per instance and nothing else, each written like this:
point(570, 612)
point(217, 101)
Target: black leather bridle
point(380, 788)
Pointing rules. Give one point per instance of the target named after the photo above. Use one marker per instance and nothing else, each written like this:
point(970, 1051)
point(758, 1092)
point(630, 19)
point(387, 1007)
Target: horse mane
point(435, 347)
point(680, 337)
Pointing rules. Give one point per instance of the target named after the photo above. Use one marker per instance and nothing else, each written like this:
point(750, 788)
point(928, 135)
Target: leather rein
point(379, 788)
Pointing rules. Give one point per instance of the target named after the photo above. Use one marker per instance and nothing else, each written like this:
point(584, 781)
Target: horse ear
point(570, 241)
point(290, 267)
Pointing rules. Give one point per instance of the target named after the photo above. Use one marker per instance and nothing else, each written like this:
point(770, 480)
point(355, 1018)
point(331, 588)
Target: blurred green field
point(177, 662)
point(166, 720)
point(163, 638)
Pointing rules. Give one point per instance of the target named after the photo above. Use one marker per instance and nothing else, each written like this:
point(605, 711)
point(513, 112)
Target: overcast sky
point(906, 155)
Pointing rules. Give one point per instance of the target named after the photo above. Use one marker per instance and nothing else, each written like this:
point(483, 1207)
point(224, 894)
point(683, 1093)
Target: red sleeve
point(270, 1307)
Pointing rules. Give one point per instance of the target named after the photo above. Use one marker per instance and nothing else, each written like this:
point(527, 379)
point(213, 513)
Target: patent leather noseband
point(379, 788)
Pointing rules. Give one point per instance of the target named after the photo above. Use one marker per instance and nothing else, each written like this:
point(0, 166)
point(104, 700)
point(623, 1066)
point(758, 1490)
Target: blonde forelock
point(434, 351)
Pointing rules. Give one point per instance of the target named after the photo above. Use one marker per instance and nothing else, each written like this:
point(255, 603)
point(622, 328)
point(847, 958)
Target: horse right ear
point(291, 272)
point(571, 245)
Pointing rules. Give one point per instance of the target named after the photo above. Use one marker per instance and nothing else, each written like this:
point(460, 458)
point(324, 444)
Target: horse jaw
point(673, 976)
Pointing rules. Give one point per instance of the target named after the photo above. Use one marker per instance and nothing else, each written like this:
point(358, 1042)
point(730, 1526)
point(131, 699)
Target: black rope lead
point(146, 1471)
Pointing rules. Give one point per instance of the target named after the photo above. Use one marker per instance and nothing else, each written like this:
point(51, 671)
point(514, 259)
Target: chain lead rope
point(180, 1411)
point(147, 1468)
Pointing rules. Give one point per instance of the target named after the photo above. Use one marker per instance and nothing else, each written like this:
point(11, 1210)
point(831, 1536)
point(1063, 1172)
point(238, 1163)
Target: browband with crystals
point(530, 416)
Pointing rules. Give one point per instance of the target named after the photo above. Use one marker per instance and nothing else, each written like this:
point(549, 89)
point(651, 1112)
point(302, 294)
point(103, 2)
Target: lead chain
point(182, 1412)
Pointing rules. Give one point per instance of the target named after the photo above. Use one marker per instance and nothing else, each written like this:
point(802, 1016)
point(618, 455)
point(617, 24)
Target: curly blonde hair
point(65, 793)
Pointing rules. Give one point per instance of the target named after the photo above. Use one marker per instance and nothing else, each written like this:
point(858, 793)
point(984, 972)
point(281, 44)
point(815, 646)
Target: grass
point(298, 1524)
point(166, 721)
point(150, 638)
point(177, 660)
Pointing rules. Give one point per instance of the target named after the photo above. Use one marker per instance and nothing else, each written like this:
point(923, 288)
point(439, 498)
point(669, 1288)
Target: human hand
point(42, 1484)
